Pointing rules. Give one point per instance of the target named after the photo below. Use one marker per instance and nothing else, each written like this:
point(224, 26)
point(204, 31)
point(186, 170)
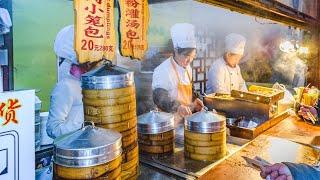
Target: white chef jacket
point(165, 77)
point(223, 78)
point(66, 108)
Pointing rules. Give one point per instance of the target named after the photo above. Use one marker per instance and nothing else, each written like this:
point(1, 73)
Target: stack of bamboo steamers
point(205, 136)
point(110, 102)
point(88, 153)
point(156, 132)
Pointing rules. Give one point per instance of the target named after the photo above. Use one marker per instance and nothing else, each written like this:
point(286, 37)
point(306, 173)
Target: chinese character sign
point(134, 21)
point(8, 111)
point(17, 135)
point(94, 30)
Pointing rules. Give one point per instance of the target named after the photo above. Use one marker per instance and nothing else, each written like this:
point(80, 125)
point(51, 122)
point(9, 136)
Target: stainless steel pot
point(155, 122)
point(205, 122)
point(87, 147)
point(108, 76)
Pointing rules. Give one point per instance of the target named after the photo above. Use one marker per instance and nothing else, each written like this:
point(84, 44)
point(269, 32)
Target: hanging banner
point(94, 30)
point(134, 20)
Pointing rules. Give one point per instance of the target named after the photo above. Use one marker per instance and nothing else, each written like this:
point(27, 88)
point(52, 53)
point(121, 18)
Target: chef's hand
point(278, 171)
point(184, 110)
point(197, 105)
point(304, 109)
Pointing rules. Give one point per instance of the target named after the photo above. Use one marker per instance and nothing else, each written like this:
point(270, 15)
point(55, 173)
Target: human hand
point(305, 109)
point(197, 105)
point(184, 110)
point(278, 171)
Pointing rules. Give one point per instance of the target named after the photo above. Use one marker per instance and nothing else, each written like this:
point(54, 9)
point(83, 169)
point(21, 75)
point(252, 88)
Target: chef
point(224, 74)
point(172, 79)
point(66, 107)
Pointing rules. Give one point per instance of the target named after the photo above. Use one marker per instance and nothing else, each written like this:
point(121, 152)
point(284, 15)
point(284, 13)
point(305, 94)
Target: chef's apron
point(184, 97)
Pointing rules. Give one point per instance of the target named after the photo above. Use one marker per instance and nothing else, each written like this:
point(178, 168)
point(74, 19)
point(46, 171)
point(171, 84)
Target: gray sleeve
point(163, 101)
point(303, 171)
point(60, 105)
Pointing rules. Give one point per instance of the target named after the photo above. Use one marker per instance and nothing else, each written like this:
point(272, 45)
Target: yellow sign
point(94, 30)
point(134, 21)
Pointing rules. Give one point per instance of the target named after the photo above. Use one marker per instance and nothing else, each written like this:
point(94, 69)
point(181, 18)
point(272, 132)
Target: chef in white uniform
point(66, 107)
point(172, 79)
point(224, 74)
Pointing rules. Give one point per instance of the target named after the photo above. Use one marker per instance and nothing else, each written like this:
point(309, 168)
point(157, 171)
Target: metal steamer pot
point(87, 147)
point(205, 122)
point(108, 76)
point(155, 122)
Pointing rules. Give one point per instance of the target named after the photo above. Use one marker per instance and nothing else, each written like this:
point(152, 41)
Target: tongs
point(257, 163)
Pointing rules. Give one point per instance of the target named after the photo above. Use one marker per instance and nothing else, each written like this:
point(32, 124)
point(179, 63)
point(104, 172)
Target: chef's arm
point(303, 171)
point(163, 101)
point(60, 106)
point(243, 86)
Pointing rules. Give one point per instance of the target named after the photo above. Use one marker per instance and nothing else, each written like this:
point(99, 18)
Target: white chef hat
point(235, 43)
point(182, 35)
point(5, 21)
point(64, 44)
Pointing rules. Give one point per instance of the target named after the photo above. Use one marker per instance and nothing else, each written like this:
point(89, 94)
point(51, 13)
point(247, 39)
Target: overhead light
point(287, 47)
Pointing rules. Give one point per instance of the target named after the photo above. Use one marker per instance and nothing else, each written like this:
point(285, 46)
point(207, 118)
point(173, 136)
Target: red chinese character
point(110, 49)
point(2, 109)
point(132, 34)
point(132, 23)
point(92, 32)
point(133, 13)
point(94, 20)
point(132, 3)
point(99, 1)
point(11, 111)
point(93, 9)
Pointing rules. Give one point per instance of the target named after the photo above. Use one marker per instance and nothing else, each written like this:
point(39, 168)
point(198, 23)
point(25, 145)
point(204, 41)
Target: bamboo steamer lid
point(108, 76)
point(86, 147)
point(205, 122)
point(155, 122)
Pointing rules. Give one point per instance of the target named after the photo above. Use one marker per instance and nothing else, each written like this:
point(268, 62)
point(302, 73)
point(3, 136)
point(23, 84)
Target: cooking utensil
point(257, 162)
point(317, 148)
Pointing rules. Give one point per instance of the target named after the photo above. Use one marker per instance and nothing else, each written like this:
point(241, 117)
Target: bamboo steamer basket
point(109, 99)
point(130, 161)
point(156, 132)
point(205, 136)
point(88, 153)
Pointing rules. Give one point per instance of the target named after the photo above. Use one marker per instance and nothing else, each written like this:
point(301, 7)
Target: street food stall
point(119, 51)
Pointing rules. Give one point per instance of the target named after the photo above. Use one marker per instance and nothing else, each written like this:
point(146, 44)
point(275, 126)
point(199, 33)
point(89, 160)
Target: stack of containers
point(37, 123)
point(88, 153)
point(156, 132)
point(110, 101)
point(205, 136)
